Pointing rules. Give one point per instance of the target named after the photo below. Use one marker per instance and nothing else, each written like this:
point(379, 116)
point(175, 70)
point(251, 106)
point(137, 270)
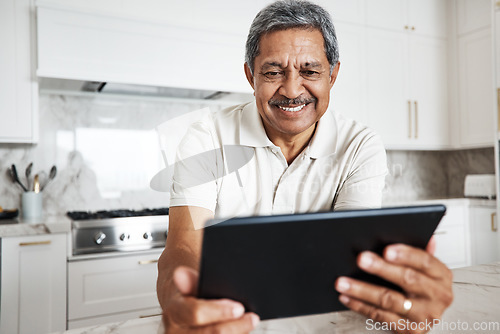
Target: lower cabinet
point(116, 288)
point(33, 284)
point(484, 235)
point(467, 234)
point(452, 237)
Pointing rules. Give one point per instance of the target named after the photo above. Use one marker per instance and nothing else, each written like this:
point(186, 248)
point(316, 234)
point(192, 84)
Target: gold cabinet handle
point(412, 28)
point(148, 262)
point(494, 226)
point(35, 243)
point(439, 232)
point(498, 109)
point(409, 119)
point(406, 27)
point(149, 316)
point(416, 118)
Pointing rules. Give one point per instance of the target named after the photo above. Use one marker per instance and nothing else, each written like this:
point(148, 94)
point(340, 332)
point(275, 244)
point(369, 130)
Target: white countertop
point(19, 227)
point(476, 289)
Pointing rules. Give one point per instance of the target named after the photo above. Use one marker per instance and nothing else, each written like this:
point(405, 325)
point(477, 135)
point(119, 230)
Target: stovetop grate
point(88, 215)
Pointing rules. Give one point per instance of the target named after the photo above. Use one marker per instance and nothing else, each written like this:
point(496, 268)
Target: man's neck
point(292, 145)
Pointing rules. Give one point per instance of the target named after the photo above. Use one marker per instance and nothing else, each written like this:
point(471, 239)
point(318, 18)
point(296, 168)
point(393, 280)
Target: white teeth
point(298, 108)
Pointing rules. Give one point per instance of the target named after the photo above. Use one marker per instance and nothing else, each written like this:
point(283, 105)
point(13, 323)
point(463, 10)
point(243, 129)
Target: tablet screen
point(286, 265)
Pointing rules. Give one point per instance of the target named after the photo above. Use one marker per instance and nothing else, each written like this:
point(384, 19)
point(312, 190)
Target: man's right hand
point(184, 313)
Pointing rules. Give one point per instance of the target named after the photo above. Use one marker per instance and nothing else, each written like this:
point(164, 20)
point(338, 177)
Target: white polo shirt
point(227, 164)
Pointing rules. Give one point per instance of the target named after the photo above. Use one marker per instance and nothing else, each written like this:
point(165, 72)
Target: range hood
point(119, 90)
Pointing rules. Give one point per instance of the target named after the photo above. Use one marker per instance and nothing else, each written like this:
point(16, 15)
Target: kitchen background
point(107, 150)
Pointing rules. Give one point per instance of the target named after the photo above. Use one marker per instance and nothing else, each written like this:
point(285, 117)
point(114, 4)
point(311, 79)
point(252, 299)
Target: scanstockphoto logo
point(405, 325)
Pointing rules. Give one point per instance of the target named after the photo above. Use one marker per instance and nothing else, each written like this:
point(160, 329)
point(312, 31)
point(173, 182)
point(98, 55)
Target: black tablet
point(286, 265)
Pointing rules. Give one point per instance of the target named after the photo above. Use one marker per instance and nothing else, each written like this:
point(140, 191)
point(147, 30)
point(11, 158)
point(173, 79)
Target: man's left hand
point(426, 282)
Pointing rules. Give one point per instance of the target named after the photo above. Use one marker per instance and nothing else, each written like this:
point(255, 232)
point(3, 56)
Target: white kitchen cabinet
point(160, 44)
point(476, 89)
point(484, 235)
point(452, 237)
point(350, 86)
point(473, 15)
point(352, 11)
point(424, 17)
point(407, 89)
point(114, 288)
point(33, 286)
point(18, 87)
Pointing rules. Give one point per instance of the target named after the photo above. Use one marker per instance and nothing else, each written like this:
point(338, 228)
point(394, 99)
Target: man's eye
point(310, 73)
point(272, 74)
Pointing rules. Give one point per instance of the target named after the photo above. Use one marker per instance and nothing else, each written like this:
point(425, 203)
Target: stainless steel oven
point(112, 269)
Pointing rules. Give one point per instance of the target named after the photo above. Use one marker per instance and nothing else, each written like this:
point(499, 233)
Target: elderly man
point(304, 159)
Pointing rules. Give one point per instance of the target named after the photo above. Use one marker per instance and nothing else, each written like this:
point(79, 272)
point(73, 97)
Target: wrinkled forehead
point(292, 47)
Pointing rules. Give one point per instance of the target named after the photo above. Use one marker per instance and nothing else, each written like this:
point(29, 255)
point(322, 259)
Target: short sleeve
point(363, 188)
point(194, 181)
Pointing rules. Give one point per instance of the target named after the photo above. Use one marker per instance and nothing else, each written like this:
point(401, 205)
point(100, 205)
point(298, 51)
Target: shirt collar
point(253, 134)
point(324, 141)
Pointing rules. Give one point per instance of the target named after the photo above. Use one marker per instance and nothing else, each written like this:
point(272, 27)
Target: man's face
point(291, 80)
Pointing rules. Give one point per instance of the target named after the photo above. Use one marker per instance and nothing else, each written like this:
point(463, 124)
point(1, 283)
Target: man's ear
point(249, 75)
point(334, 74)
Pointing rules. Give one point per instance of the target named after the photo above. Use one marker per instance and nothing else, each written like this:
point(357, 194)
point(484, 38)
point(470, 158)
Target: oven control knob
point(123, 237)
point(147, 236)
point(99, 238)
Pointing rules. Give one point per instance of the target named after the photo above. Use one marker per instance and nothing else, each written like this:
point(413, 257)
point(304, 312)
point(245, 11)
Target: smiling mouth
point(294, 109)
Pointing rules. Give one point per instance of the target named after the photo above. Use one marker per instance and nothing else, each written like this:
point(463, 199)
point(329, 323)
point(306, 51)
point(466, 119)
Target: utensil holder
point(32, 205)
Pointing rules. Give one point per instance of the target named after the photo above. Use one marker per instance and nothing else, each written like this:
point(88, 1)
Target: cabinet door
point(17, 87)
point(350, 86)
point(429, 91)
point(102, 287)
point(428, 17)
point(473, 15)
point(484, 237)
point(476, 89)
point(33, 284)
point(351, 11)
point(387, 86)
point(452, 238)
point(387, 14)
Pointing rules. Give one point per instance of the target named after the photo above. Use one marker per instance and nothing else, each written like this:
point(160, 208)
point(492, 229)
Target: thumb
point(431, 246)
point(186, 280)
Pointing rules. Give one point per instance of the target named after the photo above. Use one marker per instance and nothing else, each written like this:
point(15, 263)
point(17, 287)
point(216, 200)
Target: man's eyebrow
point(270, 64)
point(312, 64)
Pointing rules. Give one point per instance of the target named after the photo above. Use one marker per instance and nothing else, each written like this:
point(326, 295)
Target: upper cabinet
point(155, 43)
point(425, 17)
point(18, 87)
point(476, 93)
point(407, 91)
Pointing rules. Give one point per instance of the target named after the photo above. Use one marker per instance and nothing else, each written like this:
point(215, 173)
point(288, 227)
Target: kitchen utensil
point(15, 177)
point(8, 214)
point(36, 184)
point(28, 174)
point(52, 175)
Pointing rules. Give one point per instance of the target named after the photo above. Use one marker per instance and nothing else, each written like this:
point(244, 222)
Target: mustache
point(296, 101)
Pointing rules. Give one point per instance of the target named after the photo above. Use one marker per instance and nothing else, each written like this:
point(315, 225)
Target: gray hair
point(287, 14)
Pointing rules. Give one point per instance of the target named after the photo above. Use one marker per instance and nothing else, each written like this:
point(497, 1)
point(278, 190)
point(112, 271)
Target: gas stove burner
point(87, 215)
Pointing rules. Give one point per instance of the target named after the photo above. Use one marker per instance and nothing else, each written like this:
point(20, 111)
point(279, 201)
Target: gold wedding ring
point(407, 304)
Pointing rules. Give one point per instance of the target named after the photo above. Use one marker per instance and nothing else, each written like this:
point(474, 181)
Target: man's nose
point(292, 86)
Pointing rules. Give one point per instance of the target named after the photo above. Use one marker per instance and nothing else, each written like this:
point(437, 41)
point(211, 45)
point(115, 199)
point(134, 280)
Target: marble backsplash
point(106, 151)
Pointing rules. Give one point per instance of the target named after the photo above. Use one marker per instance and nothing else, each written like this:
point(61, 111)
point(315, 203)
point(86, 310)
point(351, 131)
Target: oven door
point(112, 287)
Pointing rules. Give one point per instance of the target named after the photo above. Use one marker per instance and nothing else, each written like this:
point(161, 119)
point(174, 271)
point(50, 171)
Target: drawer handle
point(35, 243)
point(409, 119)
point(439, 232)
point(149, 316)
point(494, 226)
point(148, 262)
